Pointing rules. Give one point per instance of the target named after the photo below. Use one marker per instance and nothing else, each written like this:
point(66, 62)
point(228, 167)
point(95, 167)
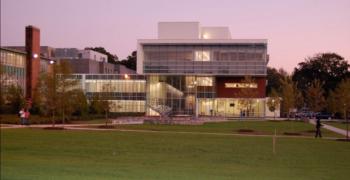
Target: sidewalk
point(331, 128)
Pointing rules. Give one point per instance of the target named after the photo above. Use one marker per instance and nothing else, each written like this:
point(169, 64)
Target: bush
point(14, 119)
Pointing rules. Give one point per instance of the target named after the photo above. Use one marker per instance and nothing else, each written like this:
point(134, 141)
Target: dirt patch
point(292, 134)
point(245, 131)
point(310, 131)
point(106, 127)
point(251, 132)
point(53, 128)
point(344, 140)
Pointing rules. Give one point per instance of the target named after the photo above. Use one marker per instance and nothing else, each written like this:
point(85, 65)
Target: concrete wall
point(93, 55)
point(215, 33)
point(178, 30)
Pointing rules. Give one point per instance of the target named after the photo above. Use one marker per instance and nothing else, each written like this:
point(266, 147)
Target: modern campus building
point(191, 70)
point(188, 69)
point(198, 70)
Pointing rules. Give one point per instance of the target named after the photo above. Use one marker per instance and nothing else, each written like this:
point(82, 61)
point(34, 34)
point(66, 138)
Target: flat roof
point(202, 41)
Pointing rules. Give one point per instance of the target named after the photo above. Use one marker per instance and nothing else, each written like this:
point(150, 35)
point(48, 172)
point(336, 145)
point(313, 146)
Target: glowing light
point(205, 36)
point(126, 76)
point(35, 55)
point(52, 61)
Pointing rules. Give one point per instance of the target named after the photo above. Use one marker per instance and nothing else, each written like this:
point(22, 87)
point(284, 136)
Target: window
point(202, 56)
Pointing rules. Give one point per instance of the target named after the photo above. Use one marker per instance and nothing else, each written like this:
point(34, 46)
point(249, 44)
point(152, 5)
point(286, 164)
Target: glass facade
point(230, 107)
point(13, 66)
point(235, 59)
point(126, 92)
point(178, 92)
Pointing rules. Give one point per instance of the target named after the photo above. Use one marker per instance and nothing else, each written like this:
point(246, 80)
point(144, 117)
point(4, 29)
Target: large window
point(235, 59)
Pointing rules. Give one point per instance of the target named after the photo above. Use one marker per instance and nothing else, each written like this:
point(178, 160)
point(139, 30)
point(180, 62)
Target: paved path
point(84, 127)
point(331, 128)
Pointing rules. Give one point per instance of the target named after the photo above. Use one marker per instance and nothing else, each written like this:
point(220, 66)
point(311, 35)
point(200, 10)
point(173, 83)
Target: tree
point(247, 94)
point(329, 68)
point(130, 61)
point(47, 102)
point(14, 98)
point(339, 100)
point(59, 94)
point(291, 96)
point(315, 96)
point(2, 88)
point(273, 102)
point(274, 79)
point(113, 59)
point(80, 104)
point(66, 85)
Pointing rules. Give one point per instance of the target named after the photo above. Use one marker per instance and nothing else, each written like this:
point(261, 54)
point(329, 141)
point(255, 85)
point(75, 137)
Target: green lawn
point(49, 154)
point(340, 125)
point(262, 127)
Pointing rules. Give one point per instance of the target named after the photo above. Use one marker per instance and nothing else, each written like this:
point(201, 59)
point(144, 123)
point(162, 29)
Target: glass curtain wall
point(206, 59)
point(13, 65)
point(127, 93)
point(230, 107)
point(178, 92)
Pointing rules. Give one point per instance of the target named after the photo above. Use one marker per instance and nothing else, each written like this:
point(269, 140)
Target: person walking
point(318, 128)
point(26, 116)
point(21, 114)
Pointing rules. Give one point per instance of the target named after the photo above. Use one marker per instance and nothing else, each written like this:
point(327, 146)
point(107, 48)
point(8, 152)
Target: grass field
point(340, 125)
point(49, 154)
point(260, 127)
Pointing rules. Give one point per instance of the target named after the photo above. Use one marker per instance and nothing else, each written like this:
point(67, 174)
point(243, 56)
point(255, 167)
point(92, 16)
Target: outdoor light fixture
point(126, 76)
point(51, 61)
point(205, 36)
point(35, 55)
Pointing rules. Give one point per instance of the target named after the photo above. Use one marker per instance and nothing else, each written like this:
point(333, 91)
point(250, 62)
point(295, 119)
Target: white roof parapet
point(202, 41)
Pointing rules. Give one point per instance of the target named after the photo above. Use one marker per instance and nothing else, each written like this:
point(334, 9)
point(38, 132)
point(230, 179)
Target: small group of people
point(24, 116)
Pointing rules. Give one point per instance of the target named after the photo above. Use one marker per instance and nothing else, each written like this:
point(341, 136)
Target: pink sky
point(295, 29)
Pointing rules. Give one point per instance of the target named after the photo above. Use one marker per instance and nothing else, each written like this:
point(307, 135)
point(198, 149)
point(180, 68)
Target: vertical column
point(32, 60)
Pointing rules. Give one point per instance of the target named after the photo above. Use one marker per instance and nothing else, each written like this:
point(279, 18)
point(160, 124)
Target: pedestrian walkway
point(92, 127)
point(331, 128)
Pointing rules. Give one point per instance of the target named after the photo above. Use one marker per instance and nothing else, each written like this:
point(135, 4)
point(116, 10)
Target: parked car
point(305, 114)
point(324, 115)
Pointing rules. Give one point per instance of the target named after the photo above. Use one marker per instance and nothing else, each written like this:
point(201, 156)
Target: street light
point(126, 76)
point(35, 55)
point(347, 122)
point(196, 102)
point(274, 109)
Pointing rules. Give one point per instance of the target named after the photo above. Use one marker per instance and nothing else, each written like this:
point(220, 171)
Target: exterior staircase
point(163, 110)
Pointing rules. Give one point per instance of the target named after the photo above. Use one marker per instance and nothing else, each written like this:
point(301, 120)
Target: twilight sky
point(295, 29)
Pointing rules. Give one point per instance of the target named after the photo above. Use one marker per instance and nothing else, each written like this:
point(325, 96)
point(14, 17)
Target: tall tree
point(274, 79)
point(315, 96)
point(59, 94)
point(130, 61)
point(339, 99)
point(111, 57)
point(291, 96)
point(329, 68)
point(66, 86)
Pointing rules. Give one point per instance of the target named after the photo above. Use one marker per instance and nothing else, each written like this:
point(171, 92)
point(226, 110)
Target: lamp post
point(274, 109)
point(347, 122)
point(196, 101)
point(52, 69)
